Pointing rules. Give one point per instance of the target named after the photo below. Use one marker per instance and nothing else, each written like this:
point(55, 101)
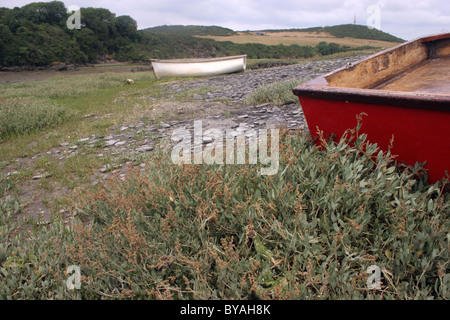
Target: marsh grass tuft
point(24, 115)
point(32, 106)
point(277, 93)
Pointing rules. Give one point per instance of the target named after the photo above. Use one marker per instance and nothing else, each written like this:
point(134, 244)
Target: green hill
point(349, 30)
point(361, 32)
point(191, 30)
point(37, 35)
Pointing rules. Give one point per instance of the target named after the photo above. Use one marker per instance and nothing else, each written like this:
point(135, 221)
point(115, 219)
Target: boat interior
point(421, 66)
point(433, 76)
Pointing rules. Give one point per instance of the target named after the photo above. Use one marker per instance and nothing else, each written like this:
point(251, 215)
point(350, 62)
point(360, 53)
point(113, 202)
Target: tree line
point(192, 30)
point(37, 35)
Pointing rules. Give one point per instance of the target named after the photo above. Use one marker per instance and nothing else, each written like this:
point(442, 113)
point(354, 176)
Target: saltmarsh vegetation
point(31, 109)
point(226, 232)
point(24, 115)
point(37, 116)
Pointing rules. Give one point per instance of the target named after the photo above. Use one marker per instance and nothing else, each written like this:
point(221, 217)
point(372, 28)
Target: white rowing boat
point(198, 67)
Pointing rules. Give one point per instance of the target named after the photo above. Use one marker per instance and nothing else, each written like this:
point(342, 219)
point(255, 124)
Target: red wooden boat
point(405, 93)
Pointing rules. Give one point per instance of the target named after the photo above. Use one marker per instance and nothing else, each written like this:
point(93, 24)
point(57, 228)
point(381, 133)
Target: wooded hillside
point(37, 35)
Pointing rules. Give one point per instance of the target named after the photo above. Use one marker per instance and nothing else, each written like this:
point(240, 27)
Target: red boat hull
point(419, 135)
point(405, 93)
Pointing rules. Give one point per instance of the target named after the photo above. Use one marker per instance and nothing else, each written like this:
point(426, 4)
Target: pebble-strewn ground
point(233, 88)
point(237, 87)
point(222, 108)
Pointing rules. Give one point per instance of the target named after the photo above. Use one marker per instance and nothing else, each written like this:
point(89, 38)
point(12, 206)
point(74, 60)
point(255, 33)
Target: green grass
point(36, 117)
point(39, 115)
point(71, 86)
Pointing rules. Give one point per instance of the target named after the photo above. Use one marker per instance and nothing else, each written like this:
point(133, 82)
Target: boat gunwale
point(199, 60)
point(378, 97)
point(319, 88)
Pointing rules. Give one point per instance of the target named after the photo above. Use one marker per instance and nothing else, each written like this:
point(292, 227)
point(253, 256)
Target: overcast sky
point(407, 19)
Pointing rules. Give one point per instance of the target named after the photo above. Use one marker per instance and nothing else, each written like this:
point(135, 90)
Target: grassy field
point(26, 105)
point(300, 38)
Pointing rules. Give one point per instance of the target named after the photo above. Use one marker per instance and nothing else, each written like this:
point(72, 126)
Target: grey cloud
point(404, 18)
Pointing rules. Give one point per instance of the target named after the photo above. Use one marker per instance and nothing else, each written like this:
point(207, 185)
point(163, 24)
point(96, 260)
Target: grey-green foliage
point(32, 256)
point(226, 232)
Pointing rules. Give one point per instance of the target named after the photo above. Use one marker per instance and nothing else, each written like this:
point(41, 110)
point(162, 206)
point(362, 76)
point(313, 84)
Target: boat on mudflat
point(405, 93)
point(198, 67)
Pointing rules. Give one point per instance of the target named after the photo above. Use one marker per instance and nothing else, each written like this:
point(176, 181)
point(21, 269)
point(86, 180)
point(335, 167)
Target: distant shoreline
point(22, 74)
